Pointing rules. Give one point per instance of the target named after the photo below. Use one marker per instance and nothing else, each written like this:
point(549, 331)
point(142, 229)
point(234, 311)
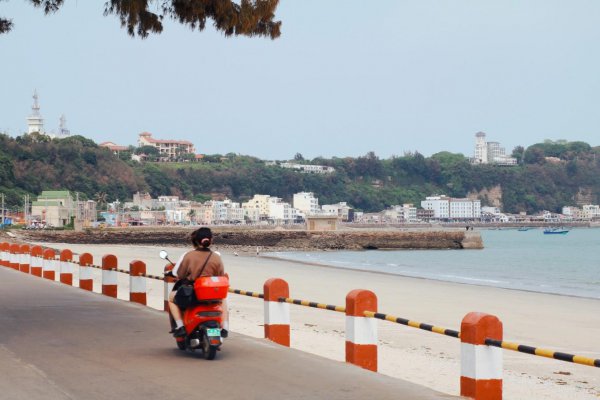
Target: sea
point(522, 260)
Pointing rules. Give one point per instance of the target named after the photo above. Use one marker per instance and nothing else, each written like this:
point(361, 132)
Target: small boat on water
point(524, 228)
point(555, 231)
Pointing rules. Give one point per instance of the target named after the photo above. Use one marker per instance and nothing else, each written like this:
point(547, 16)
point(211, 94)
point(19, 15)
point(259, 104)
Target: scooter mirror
point(163, 254)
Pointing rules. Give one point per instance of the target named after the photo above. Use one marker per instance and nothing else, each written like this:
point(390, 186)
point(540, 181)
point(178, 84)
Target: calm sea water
point(562, 264)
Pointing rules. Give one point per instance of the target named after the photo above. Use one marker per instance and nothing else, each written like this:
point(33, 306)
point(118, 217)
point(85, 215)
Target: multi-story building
point(306, 168)
point(53, 207)
point(280, 211)
point(590, 211)
point(448, 208)
point(167, 149)
point(115, 148)
point(259, 202)
point(306, 203)
point(490, 152)
point(341, 209)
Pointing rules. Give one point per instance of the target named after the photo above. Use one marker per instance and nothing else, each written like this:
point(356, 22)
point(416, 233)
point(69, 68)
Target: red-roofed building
point(169, 149)
point(115, 148)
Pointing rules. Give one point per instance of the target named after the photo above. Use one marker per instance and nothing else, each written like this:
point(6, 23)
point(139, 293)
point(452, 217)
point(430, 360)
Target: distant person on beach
point(200, 261)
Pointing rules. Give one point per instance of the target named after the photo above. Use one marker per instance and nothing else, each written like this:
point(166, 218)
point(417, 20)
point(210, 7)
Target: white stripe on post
point(361, 330)
point(277, 313)
point(480, 362)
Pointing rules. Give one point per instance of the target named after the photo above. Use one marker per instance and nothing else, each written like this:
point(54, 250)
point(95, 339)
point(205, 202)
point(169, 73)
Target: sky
point(346, 77)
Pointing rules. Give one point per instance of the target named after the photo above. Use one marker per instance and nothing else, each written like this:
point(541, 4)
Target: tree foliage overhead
point(142, 17)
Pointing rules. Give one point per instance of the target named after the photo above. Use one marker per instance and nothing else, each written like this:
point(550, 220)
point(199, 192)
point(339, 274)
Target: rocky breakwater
point(272, 240)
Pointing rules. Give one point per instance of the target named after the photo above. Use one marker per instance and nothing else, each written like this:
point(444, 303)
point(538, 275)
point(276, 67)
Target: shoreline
point(325, 265)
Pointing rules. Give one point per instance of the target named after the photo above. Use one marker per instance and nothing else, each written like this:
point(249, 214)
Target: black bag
point(186, 295)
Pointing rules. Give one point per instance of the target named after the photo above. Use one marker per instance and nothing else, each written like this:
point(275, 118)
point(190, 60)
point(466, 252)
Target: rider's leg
point(175, 311)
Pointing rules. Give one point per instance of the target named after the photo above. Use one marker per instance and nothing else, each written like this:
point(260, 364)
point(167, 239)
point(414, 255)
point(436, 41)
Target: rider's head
point(202, 238)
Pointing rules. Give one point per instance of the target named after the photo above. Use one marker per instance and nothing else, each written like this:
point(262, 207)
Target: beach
point(560, 323)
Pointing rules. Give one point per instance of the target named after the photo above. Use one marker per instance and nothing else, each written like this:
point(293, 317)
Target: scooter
point(203, 321)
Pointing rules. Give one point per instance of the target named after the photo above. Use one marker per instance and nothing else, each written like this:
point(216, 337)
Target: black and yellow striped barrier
point(413, 324)
point(543, 352)
point(246, 293)
point(312, 304)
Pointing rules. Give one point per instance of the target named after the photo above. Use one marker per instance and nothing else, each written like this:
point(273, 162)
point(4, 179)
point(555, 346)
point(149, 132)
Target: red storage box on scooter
point(211, 287)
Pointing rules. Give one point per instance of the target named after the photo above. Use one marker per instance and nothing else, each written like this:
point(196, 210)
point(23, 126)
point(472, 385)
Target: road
point(60, 342)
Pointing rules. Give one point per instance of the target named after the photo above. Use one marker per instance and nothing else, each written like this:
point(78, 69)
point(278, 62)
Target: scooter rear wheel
point(209, 351)
point(180, 344)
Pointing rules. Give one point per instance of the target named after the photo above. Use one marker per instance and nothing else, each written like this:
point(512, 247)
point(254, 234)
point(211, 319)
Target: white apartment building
point(306, 203)
point(590, 211)
point(341, 209)
point(169, 149)
point(452, 208)
point(490, 152)
point(280, 211)
point(306, 168)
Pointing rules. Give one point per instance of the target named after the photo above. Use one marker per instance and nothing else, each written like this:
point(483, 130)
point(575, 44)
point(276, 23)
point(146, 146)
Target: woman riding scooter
point(195, 263)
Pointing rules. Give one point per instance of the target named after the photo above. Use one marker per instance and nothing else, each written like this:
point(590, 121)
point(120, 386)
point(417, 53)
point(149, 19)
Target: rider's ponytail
point(202, 238)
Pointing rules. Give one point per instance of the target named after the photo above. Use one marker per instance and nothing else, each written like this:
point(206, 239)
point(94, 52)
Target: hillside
point(32, 163)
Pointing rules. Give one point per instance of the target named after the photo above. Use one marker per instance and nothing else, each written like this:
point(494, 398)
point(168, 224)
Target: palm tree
point(101, 199)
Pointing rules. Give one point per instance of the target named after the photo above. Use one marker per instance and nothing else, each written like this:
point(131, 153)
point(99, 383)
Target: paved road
point(59, 342)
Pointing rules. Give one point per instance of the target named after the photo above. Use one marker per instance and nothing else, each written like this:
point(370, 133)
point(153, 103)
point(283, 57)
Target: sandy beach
point(560, 323)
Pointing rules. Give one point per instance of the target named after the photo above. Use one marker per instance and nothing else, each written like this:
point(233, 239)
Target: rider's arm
point(177, 264)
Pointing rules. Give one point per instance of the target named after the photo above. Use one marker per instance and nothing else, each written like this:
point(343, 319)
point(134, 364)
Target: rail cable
point(312, 304)
point(537, 351)
point(413, 324)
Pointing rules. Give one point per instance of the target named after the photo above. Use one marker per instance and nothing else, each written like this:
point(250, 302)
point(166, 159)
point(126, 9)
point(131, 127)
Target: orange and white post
point(86, 273)
point(66, 267)
point(361, 332)
point(137, 282)
point(14, 256)
point(4, 254)
point(25, 259)
point(109, 275)
point(480, 365)
point(36, 260)
point(277, 314)
point(49, 264)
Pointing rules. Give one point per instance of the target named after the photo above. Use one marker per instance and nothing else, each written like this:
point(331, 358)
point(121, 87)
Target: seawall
point(271, 239)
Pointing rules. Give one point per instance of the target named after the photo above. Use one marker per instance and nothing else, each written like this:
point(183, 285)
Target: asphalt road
point(60, 342)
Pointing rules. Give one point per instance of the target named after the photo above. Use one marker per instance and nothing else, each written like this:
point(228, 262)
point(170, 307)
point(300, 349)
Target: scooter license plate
point(213, 332)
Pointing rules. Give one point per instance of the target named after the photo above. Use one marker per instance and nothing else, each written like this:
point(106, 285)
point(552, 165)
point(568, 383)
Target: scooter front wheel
point(180, 344)
point(209, 351)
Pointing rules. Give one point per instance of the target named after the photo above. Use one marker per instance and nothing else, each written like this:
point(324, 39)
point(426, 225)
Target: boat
point(555, 231)
point(524, 228)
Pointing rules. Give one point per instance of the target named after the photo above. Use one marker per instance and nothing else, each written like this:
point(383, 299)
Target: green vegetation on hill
point(32, 163)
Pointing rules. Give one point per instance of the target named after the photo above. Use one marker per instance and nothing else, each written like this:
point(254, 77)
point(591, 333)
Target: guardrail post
point(66, 267)
point(361, 332)
point(4, 255)
point(137, 282)
point(36, 261)
point(86, 277)
point(109, 276)
point(14, 255)
point(25, 259)
point(169, 283)
point(481, 365)
point(277, 314)
point(49, 265)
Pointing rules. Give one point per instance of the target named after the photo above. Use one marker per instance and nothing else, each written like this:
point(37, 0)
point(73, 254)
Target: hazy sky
point(346, 77)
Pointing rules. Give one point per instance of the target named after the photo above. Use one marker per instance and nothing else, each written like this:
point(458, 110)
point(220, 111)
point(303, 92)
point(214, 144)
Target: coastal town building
point(260, 203)
point(448, 208)
point(321, 223)
point(169, 150)
point(115, 148)
point(58, 208)
point(406, 213)
point(306, 168)
point(342, 210)
point(306, 203)
point(490, 152)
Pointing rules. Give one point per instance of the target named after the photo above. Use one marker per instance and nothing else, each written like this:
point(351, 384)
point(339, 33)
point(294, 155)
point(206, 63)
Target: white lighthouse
point(35, 122)
point(481, 153)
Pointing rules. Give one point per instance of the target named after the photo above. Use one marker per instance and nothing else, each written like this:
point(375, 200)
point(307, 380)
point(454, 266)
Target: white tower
point(481, 153)
point(35, 122)
point(62, 130)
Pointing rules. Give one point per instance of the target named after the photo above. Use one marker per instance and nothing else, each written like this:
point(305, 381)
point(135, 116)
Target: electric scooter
point(203, 321)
